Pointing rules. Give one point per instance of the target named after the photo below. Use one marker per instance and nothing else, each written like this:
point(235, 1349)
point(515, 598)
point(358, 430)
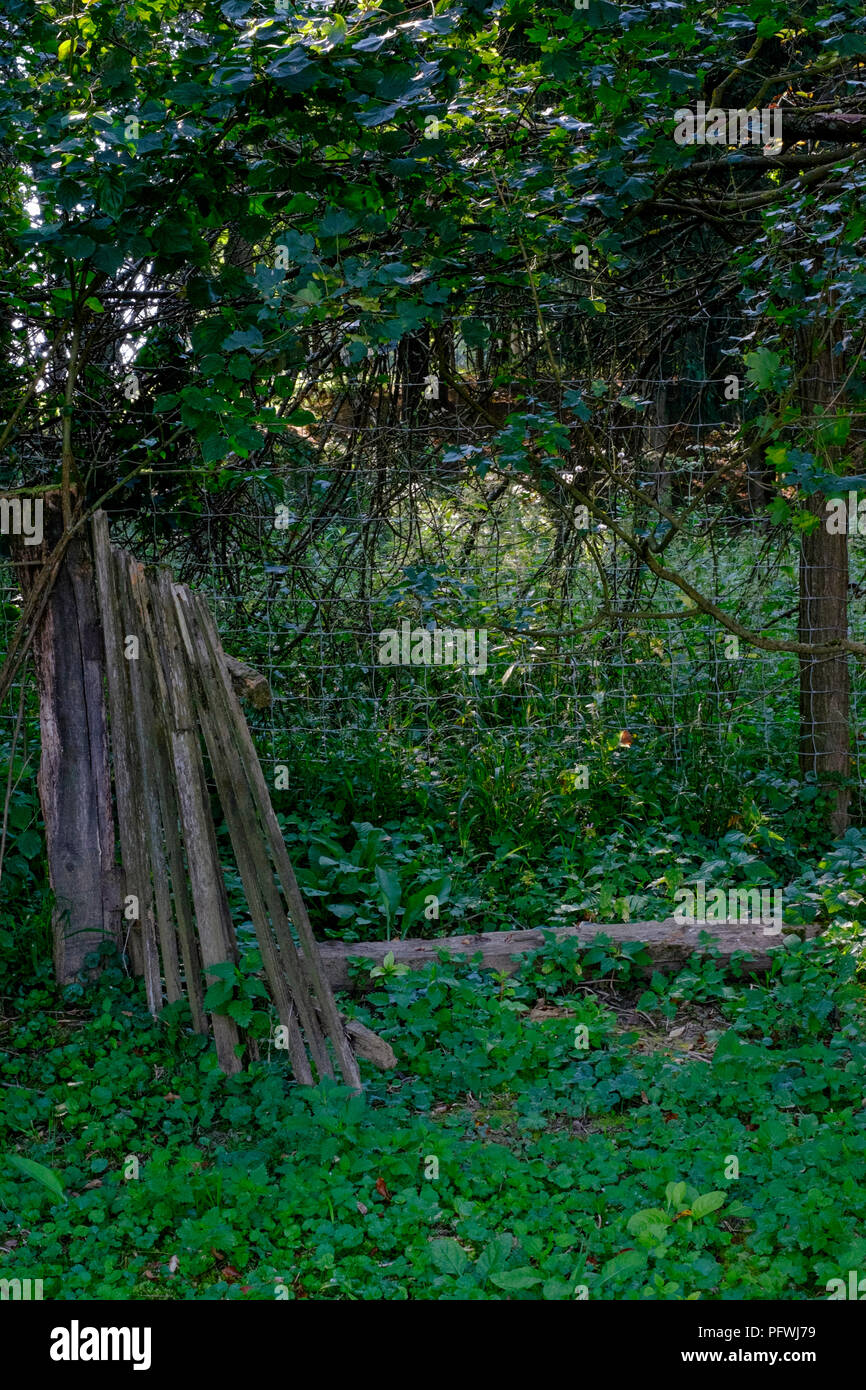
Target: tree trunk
point(73, 780)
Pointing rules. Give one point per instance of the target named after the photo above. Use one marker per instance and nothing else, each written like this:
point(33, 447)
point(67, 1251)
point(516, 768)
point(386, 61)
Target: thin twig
point(9, 787)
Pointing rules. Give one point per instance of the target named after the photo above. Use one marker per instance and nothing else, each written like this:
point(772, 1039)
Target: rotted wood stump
point(74, 780)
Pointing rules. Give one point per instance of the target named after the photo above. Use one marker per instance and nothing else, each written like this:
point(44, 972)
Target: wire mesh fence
point(413, 599)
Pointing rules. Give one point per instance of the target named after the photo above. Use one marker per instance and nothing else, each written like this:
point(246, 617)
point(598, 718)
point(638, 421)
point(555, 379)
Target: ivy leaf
point(764, 369)
point(335, 222)
point(242, 338)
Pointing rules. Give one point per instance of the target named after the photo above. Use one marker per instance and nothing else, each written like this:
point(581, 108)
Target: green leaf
point(389, 883)
point(78, 248)
point(41, 1174)
point(652, 1223)
point(675, 1193)
point(218, 996)
point(108, 258)
point(224, 970)
point(728, 1046)
point(622, 1263)
point(764, 369)
point(493, 1256)
point(417, 901)
point(448, 1255)
point(242, 338)
point(68, 193)
point(255, 989)
point(241, 1010)
point(556, 1288)
point(29, 844)
point(514, 1279)
point(335, 222)
point(707, 1202)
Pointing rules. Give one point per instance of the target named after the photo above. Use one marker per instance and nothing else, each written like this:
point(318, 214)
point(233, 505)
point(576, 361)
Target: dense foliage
point(557, 1173)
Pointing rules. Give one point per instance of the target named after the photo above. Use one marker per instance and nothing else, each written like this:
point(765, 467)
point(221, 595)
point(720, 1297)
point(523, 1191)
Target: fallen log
point(670, 944)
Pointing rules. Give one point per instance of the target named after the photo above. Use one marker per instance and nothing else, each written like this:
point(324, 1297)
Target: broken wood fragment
point(249, 684)
point(367, 1044)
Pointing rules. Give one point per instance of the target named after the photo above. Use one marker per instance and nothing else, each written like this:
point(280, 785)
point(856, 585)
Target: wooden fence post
point(74, 780)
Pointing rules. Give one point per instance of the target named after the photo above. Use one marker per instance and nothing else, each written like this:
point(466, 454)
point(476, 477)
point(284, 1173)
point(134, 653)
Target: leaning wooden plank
point(213, 918)
point(296, 906)
point(243, 829)
point(157, 922)
point(250, 834)
point(190, 954)
point(120, 731)
point(139, 881)
point(670, 944)
point(144, 702)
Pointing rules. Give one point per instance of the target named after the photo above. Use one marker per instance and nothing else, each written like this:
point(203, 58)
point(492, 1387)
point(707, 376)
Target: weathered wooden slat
point(139, 880)
point(247, 840)
point(296, 907)
point(144, 701)
point(120, 726)
point(170, 815)
point(243, 828)
point(230, 718)
point(213, 918)
point(670, 944)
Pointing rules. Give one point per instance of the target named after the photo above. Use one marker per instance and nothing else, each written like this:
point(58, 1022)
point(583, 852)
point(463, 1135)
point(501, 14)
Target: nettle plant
point(237, 992)
point(376, 883)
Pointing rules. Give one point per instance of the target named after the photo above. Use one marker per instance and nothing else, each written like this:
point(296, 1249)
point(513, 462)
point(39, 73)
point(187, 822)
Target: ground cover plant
point(682, 1147)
